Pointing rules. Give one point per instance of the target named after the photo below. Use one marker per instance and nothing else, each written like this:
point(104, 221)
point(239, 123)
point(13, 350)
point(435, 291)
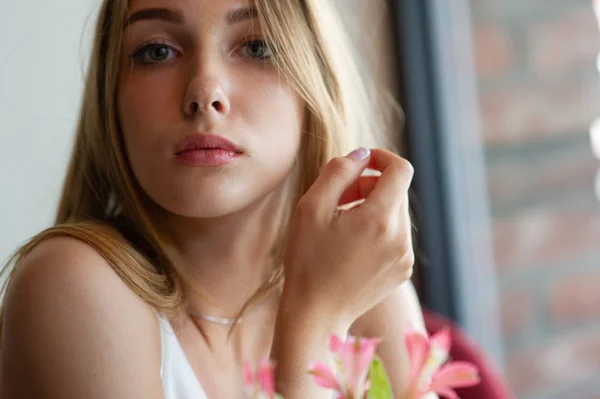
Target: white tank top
point(178, 378)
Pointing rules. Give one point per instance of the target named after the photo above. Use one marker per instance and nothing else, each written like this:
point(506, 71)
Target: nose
point(206, 94)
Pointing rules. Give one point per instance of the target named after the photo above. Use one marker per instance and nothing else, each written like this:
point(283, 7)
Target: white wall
point(42, 63)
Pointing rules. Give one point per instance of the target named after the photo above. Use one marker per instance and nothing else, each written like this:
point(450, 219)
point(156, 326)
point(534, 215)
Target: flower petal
point(324, 377)
point(248, 374)
point(438, 353)
point(455, 375)
point(441, 340)
point(418, 352)
point(364, 356)
point(266, 377)
point(356, 356)
point(335, 343)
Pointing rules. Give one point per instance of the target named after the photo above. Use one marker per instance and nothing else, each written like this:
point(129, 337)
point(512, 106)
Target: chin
point(210, 201)
point(206, 205)
point(207, 209)
point(214, 195)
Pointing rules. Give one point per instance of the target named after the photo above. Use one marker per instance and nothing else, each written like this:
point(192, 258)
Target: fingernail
point(360, 154)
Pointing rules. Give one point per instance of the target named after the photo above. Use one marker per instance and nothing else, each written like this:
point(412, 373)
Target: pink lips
point(206, 150)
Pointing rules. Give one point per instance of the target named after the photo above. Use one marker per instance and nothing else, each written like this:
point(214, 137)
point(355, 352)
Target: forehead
point(208, 6)
point(191, 12)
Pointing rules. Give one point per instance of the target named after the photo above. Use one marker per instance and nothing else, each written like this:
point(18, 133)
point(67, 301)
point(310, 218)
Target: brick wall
point(539, 93)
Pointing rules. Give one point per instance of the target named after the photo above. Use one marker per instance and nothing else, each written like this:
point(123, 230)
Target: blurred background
point(519, 80)
point(501, 101)
point(539, 98)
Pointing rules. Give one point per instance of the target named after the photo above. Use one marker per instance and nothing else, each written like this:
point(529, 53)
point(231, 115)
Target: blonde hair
point(103, 205)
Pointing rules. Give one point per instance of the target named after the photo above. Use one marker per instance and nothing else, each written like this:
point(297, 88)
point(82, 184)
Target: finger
point(336, 177)
point(358, 190)
point(396, 176)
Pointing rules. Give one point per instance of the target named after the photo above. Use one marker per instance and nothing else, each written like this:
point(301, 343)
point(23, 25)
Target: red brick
point(522, 178)
point(568, 360)
point(538, 236)
point(575, 299)
point(535, 112)
point(569, 41)
point(494, 50)
point(515, 308)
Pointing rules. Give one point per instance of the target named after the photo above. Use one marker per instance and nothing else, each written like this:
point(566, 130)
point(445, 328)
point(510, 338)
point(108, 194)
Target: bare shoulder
point(73, 329)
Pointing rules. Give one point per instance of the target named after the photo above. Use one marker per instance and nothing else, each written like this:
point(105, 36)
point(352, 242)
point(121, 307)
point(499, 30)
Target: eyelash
point(263, 43)
point(138, 55)
point(143, 50)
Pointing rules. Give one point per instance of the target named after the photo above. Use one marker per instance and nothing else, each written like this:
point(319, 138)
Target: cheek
point(272, 115)
point(275, 113)
point(144, 108)
point(133, 124)
point(147, 100)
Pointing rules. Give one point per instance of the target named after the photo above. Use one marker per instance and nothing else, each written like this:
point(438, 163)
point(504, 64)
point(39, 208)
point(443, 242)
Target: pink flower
point(353, 360)
point(262, 383)
point(427, 370)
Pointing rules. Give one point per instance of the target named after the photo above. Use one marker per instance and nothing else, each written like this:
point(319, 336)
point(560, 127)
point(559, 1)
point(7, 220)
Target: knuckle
point(408, 260)
point(383, 228)
point(405, 253)
point(400, 276)
point(407, 275)
point(404, 168)
point(405, 246)
point(404, 270)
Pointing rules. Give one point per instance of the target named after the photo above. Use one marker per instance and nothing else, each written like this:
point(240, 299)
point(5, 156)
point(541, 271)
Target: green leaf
point(380, 384)
point(278, 396)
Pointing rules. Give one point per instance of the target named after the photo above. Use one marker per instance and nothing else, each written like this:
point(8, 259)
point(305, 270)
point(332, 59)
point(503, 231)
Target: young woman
point(210, 163)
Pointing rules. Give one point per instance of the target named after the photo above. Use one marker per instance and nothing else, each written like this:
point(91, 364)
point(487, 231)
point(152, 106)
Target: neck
point(228, 257)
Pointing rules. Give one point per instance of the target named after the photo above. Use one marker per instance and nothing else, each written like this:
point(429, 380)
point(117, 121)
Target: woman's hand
point(344, 263)
point(340, 264)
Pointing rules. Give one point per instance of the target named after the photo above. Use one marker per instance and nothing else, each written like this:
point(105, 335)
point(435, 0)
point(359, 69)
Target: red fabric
point(493, 385)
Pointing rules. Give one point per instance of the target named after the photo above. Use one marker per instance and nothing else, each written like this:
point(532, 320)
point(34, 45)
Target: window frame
point(442, 135)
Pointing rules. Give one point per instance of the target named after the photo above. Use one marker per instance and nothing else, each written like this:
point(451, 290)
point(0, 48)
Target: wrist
point(298, 308)
point(301, 337)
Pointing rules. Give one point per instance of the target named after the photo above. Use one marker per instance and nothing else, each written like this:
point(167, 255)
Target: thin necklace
point(216, 320)
point(224, 321)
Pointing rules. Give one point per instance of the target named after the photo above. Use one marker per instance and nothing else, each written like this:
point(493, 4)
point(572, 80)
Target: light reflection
point(595, 137)
point(595, 127)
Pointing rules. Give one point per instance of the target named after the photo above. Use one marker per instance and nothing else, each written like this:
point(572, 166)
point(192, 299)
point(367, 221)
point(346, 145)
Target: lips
point(203, 150)
point(198, 142)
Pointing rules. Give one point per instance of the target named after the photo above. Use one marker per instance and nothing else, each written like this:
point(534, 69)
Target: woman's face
point(209, 125)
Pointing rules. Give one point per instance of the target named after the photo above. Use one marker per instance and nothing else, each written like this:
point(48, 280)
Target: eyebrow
point(176, 16)
point(242, 14)
point(163, 14)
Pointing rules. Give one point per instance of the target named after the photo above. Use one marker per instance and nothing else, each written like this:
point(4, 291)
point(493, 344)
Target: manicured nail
point(360, 154)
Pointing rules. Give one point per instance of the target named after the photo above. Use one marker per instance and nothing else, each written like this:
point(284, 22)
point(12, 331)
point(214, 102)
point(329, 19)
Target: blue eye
point(154, 53)
point(258, 49)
